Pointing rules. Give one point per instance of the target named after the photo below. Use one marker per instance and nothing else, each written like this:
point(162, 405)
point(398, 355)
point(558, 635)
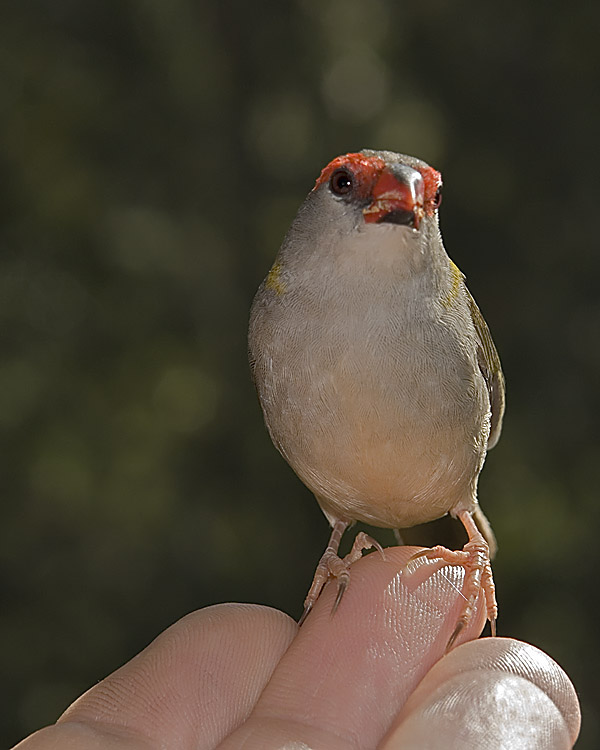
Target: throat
point(389, 252)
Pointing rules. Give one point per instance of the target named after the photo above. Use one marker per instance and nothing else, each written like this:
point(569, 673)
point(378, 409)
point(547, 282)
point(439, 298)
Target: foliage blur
point(153, 155)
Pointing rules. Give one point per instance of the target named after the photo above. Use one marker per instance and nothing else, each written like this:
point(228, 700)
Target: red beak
point(398, 197)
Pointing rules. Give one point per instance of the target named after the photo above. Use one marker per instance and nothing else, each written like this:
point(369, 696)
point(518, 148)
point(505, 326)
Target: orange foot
point(475, 559)
point(331, 565)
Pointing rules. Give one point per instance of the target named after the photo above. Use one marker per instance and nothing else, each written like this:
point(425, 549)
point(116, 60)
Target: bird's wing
point(489, 364)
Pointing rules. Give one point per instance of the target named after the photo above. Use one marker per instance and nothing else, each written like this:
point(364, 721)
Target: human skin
point(374, 675)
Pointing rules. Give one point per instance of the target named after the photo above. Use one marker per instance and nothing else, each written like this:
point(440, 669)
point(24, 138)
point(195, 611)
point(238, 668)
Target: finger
point(493, 693)
point(188, 689)
point(346, 676)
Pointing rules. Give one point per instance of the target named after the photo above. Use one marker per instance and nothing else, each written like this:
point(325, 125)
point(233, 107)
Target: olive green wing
point(489, 364)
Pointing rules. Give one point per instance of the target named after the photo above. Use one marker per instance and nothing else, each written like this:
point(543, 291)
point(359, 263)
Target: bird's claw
point(475, 559)
point(363, 542)
point(332, 566)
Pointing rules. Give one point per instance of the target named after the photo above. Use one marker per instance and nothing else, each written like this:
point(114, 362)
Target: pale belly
point(379, 442)
point(378, 405)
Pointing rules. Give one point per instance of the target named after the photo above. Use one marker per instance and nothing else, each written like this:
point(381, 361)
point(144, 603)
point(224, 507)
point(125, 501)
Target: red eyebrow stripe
point(366, 170)
point(432, 180)
point(362, 167)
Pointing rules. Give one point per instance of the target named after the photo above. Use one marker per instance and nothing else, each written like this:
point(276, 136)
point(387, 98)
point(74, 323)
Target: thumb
point(494, 693)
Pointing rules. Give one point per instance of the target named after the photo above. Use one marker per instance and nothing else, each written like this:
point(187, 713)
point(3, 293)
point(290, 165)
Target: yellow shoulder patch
point(273, 280)
point(456, 276)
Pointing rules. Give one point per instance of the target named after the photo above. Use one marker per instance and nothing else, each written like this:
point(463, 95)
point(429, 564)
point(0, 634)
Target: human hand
point(372, 676)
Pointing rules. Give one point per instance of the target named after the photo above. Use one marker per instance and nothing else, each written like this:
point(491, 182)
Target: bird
point(376, 372)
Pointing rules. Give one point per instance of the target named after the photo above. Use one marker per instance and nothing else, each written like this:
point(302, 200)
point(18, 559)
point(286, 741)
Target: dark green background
point(152, 155)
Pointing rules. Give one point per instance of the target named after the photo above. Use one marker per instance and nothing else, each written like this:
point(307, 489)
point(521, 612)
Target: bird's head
point(383, 187)
point(371, 212)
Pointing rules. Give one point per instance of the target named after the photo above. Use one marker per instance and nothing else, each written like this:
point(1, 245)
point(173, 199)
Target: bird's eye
point(341, 182)
point(437, 198)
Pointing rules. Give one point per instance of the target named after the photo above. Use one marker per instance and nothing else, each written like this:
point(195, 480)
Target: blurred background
point(153, 155)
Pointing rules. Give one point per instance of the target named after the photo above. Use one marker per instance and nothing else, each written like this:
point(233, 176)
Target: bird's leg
point(475, 559)
point(332, 565)
point(329, 564)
